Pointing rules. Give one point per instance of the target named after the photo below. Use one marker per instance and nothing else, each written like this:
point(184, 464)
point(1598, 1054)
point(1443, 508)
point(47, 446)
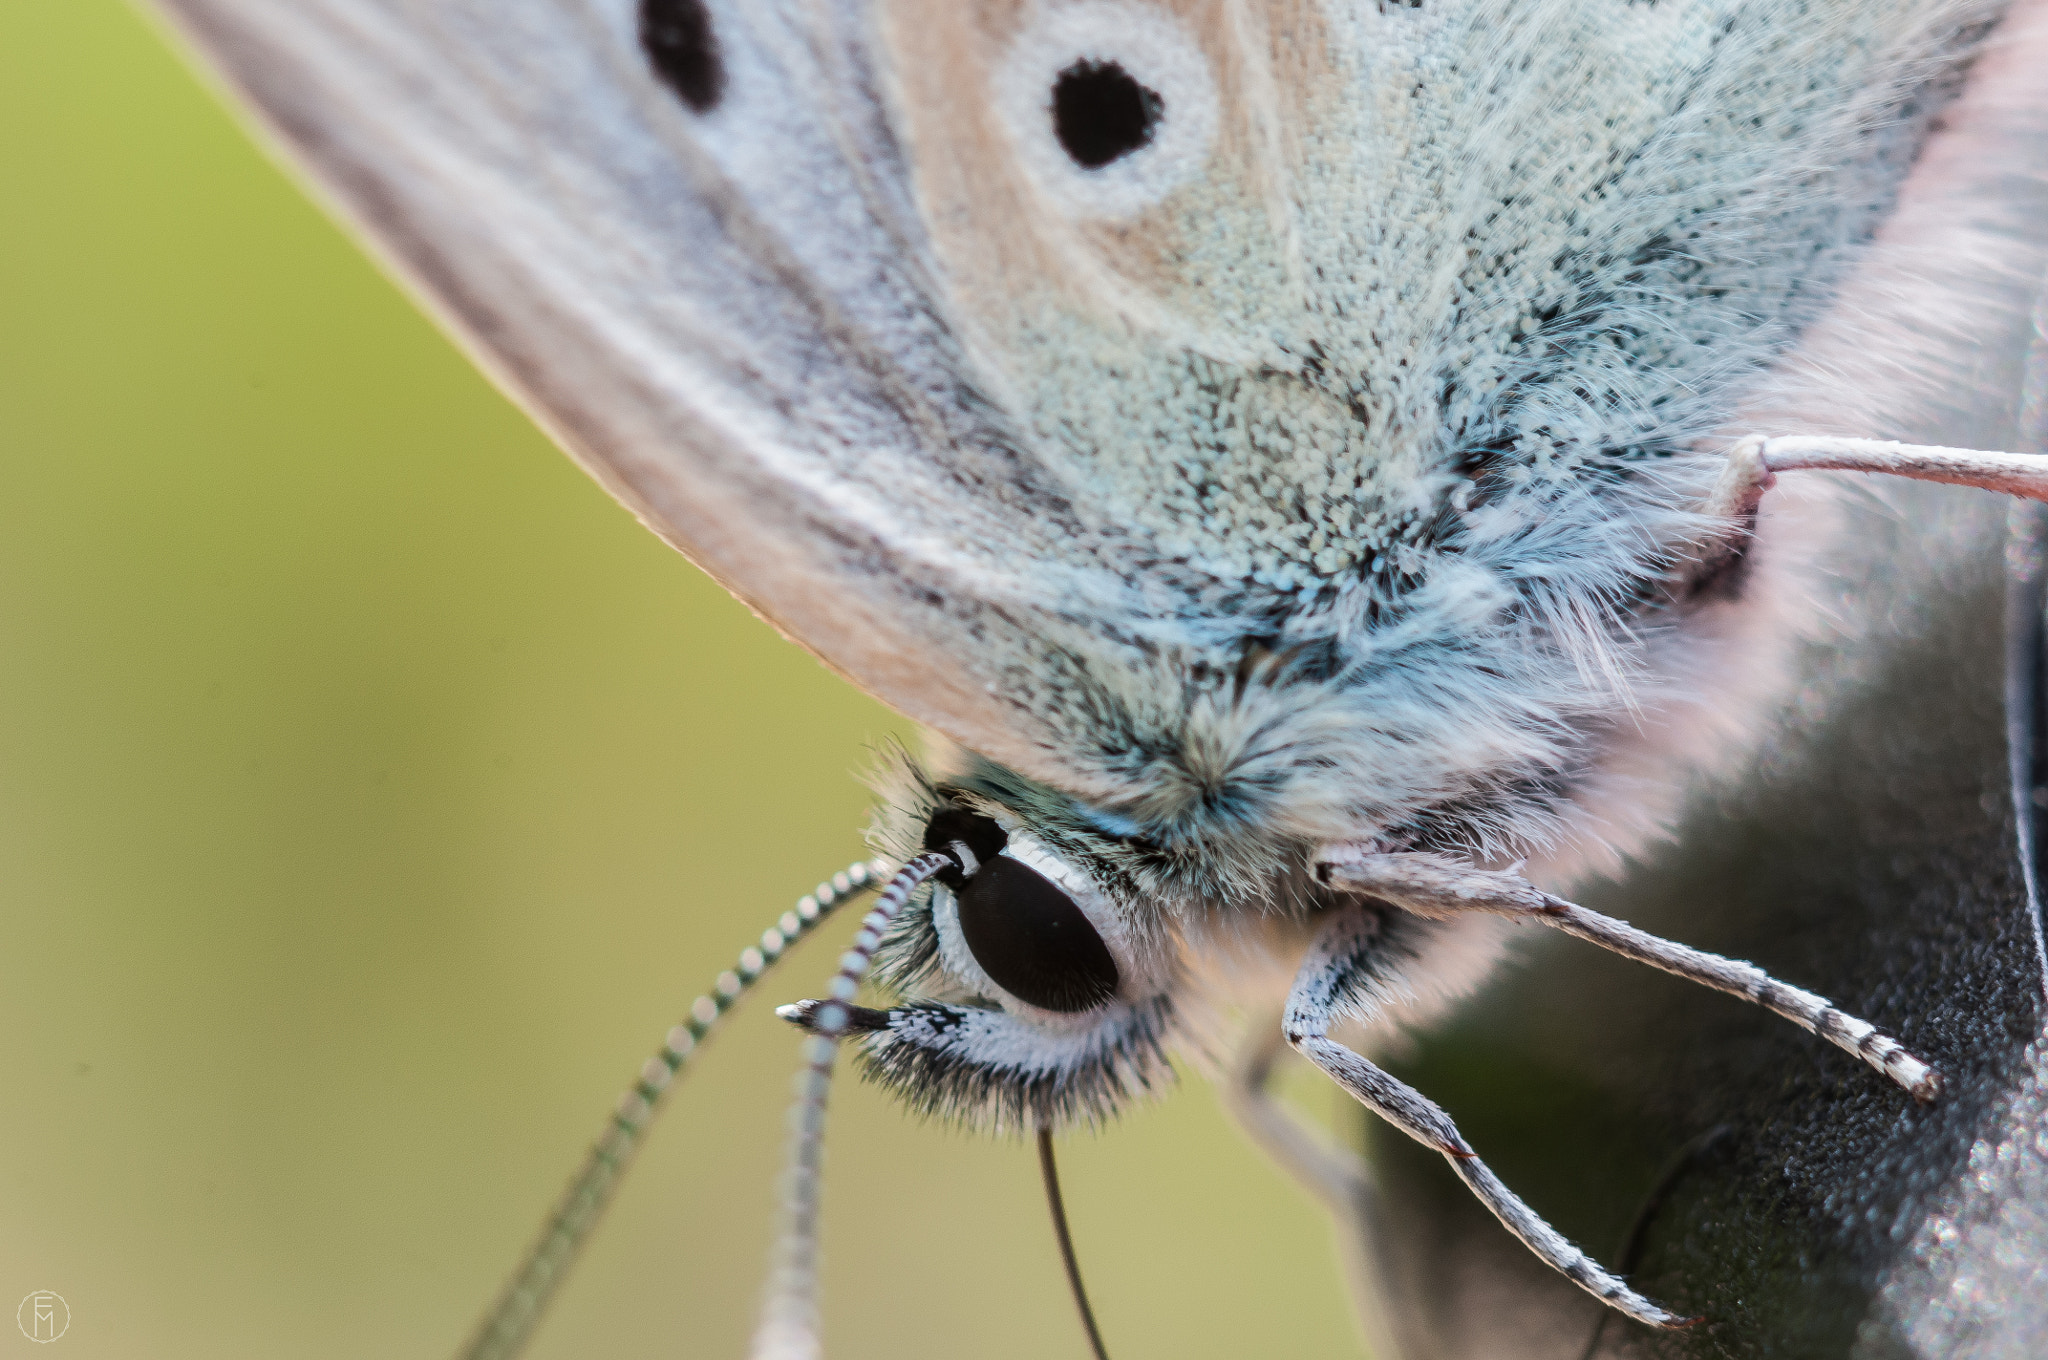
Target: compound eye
point(1032, 940)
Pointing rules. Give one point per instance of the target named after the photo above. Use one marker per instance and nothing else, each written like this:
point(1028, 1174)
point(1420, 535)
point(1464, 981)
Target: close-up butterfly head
point(1332, 477)
point(1052, 964)
point(1042, 978)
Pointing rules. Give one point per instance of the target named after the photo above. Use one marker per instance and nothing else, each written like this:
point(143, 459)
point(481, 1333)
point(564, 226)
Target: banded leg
point(1432, 886)
point(1326, 988)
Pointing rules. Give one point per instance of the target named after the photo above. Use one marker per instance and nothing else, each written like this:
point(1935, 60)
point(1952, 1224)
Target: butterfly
point(1290, 455)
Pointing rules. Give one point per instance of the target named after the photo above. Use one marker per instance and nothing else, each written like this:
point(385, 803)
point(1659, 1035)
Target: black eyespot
point(1031, 938)
point(1099, 113)
point(677, 37)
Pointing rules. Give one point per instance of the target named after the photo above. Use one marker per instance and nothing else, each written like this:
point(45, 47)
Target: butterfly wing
point(1244, 415)
point(729, 317)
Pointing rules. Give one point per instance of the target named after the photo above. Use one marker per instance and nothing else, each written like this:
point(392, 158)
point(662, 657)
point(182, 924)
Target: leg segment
point(2014, 474)
point(1335, 1175)
point(1327, 988)
point(1754, 462)
point(1432, 886)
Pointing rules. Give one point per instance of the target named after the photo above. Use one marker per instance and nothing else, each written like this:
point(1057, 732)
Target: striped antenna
point(509, 1324)
point(789, 1317)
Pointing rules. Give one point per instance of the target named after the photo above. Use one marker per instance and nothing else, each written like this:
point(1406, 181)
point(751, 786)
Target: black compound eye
point(677, 37)
point(1101, 113)
point(1032, 940)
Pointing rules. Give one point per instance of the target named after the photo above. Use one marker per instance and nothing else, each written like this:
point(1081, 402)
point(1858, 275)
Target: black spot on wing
point(1101, 113)
point(679, 41)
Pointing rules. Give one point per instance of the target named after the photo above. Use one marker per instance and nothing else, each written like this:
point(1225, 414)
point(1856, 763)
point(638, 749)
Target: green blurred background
point(373, 795)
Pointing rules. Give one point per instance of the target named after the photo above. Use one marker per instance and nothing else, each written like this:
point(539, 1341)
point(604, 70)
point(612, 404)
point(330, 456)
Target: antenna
point(789, 1315)
point(509, 1324)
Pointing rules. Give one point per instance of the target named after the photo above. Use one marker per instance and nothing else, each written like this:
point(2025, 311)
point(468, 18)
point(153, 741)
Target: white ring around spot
point(1156, 52)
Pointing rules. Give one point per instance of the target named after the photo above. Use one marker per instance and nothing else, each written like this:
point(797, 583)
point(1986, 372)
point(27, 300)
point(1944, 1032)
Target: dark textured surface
point(1871, 855)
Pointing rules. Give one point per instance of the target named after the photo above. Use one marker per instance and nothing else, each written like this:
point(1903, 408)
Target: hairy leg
point(1432, 886)
point(1336, 981)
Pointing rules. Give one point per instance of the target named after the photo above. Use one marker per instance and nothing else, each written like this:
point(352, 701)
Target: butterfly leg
point(1432, 886)
point(1755, 462)
point(1334, 982)
point(1337, 1176)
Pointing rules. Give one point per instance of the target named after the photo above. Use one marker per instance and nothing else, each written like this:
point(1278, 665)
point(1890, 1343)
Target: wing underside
point(769, 327)
point(728, 319)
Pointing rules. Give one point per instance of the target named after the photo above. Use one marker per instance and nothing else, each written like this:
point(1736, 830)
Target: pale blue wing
point(729, 318)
